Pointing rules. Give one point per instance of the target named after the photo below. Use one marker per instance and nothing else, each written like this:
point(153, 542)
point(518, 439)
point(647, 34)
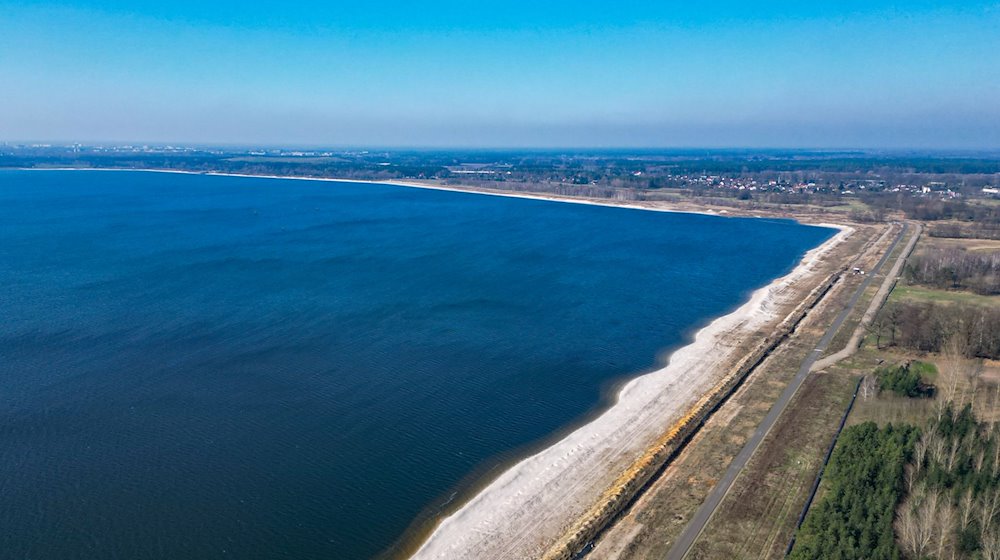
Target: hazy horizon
point(875, 75)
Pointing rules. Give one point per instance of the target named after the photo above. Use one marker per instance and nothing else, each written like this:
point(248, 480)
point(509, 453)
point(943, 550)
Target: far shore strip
point(536, 500)
point(394, 183)
point(654, 206)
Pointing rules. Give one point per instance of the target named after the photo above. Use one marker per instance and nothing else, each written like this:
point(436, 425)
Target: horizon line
point(995, 150)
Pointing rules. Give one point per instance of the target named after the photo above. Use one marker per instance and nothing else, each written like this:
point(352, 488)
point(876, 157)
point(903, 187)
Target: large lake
point(203, 367)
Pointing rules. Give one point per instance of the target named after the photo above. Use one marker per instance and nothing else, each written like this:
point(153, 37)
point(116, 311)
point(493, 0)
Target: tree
point(990, 546)
point(966, 508)
point(902, 380)
point(944, 524)
point(856, 515)
point(988, 506)
point(916, 523)
point(951, 367)
point(868, 387)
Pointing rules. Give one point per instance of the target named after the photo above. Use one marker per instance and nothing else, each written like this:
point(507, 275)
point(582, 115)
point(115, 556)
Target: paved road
point(704, 513)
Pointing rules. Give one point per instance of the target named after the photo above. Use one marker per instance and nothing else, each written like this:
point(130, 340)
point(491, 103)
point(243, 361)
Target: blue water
point(201, 367)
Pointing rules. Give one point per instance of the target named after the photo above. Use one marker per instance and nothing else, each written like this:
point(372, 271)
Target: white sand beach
point(534, 502)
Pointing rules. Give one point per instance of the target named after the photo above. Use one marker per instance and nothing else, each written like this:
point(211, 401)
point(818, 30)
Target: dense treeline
point(974, 331)
point(965, 230)
point(956, 268)
point(953, 491)
point(934, 209)
point(864, 484)
point(956, 218)
point(899, 492)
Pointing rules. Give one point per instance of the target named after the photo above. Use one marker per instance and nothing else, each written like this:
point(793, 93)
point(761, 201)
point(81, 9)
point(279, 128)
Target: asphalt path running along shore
point(697, 524)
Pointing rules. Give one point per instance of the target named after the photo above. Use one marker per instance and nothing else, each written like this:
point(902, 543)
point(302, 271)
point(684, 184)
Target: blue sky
point(517, 73)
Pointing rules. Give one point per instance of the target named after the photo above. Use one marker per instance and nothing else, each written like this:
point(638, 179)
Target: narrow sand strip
point(534, 502)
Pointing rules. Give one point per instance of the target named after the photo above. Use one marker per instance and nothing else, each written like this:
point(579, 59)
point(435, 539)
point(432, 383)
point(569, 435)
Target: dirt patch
point(991, 371)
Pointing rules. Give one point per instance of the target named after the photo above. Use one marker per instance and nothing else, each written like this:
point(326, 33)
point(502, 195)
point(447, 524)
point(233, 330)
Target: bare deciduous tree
point(877, 327)
point(945, 522)
point(994, 410)
point(921, 447)
point(950, 371)
point(952, 454)
point(972, 370)
point(937, 446)
point(990, 546)
point(869, 387)
point(996, 457)
point(910, 474)
point(916, 523)
point(988, 505)
point(966, 509)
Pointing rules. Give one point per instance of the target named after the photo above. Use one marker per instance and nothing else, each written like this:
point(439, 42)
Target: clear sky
point(503, 74)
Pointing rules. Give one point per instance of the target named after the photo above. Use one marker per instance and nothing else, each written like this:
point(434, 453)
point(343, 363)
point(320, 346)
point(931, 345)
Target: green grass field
point(922, 293)
point(928, 371)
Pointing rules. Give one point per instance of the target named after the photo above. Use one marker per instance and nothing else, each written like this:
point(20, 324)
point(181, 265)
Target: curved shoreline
point(485, 474)
point(529, 501)
point(533, 503)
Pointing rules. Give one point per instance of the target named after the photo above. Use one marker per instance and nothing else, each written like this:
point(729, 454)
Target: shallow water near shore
point(200, 366)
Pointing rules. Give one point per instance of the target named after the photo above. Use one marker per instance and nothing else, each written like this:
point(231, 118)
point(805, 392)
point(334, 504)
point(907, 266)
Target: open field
point(910, 291)
point(971, 245)
point(920, 293)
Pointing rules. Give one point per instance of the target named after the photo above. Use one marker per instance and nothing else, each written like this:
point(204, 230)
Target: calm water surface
point(201, 367)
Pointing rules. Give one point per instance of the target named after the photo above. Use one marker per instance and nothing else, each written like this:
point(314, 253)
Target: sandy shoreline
point(535, 501)
point(531, 504)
